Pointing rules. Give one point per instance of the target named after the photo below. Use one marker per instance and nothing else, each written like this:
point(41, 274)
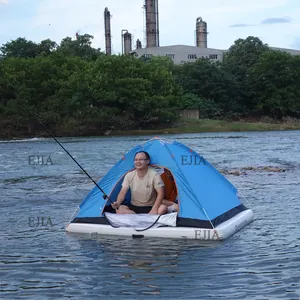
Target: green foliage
point(190, 101)
point(252, 80)
point(276, 84)
point(75, 89)
point(21, 48)
point(216, 88)
point(244, 54)
point(238, 61)
point(207, 107)
point(80, 47)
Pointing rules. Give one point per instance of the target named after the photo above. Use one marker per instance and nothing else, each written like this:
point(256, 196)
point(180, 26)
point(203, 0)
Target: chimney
point(201, 33)
point(138, 44)
point(127, 40)
point(152, 23)
point(107, 31)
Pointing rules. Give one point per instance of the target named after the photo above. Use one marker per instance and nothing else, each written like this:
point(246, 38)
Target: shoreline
point(184, 126)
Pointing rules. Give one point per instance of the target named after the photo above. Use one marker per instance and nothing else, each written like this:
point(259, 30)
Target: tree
point(20, 48)
point(208, 81)
point(46, 47)
point(276, 84)
point(80, 47)
point(144, 93)
point(238, 60)
point(243, 55)
point(74, 89)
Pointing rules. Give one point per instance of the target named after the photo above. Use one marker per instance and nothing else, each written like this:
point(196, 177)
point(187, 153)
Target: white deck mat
point(141, 221)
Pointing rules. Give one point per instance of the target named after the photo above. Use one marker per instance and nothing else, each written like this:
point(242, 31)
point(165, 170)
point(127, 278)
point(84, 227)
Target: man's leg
point(171, 206)
point(123, 209)
point(163, 209)
point(167, 202)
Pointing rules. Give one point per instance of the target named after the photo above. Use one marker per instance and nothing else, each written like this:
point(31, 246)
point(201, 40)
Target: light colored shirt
point(143, 191)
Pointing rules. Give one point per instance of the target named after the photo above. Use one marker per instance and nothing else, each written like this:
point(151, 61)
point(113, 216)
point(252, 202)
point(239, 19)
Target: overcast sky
point(275, 22)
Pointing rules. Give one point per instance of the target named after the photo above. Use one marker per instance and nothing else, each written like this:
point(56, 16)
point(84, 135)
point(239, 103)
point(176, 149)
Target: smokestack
point(127, 43)
point(201, 33)
point(107, 31)
point(138, 44)
point(152, 23)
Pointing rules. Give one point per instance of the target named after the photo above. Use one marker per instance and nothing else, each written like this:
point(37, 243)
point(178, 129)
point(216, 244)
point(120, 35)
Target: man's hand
point(115, 205)
point(120, 198)
point(153, 211)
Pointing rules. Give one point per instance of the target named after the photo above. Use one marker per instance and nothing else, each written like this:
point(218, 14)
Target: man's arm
point(160, 193)
point(159, 198)
point(121, 197)
point(122, 193)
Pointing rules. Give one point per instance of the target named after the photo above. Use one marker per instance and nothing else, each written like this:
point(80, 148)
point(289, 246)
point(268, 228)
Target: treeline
point(75, 89)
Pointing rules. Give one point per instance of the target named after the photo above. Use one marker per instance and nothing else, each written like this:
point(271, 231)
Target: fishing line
point(104, 194)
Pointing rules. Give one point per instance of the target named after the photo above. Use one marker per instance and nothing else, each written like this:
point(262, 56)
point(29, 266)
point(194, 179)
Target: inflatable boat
point(208, 204)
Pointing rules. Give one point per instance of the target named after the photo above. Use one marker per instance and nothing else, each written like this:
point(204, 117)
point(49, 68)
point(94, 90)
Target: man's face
point(141, 161)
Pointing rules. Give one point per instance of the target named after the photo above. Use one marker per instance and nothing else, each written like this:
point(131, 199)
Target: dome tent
point(206, 198)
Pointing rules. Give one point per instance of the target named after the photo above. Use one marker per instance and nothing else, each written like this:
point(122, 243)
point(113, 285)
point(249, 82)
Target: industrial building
point(180, 54)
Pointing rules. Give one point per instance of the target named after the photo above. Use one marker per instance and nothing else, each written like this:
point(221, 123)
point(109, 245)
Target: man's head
point(141, 160)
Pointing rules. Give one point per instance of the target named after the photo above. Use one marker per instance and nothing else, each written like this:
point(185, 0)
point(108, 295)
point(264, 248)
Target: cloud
point(270, 21)
point(232, 7)
point(242, 25)
point(3, 1)
point(37, 20)
point(90, 20)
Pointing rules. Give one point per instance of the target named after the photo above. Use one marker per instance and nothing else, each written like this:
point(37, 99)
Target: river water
point(39, 260)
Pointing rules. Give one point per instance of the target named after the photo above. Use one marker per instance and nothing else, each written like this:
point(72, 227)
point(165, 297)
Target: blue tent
point(206, 198)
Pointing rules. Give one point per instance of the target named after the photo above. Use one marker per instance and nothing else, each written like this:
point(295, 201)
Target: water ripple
point(39, 260)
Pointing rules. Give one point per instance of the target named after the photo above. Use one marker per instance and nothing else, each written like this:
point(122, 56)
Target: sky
point(275, 22)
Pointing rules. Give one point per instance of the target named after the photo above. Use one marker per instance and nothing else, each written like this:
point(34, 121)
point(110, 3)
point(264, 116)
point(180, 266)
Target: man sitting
point(146, 186)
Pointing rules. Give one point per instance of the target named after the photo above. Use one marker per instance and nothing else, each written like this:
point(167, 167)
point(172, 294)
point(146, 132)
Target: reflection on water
point(42, 261)
point(141, 263)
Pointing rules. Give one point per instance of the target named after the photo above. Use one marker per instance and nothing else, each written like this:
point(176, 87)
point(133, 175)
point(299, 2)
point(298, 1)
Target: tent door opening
point(171, 193)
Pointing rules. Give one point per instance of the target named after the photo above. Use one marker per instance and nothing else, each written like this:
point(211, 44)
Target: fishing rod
point(104, 194)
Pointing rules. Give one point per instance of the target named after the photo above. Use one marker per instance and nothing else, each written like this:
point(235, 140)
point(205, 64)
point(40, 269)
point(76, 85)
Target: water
point(39, 260)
